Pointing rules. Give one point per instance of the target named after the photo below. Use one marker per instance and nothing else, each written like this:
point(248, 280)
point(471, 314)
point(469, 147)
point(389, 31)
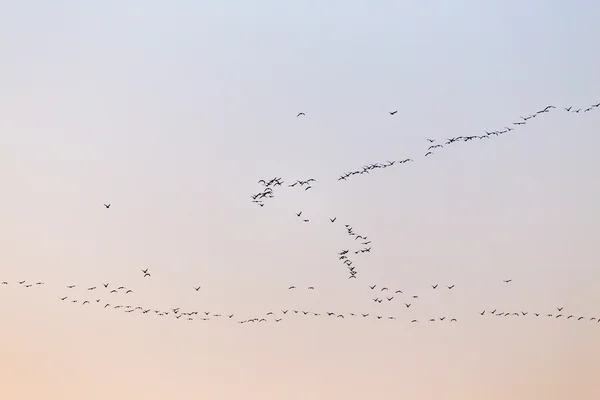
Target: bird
point(508, 281)
point(333, 219)
point(407, 305)
point(559, 308)
point(393, 112)
point(107, 205)
point(145, 271)
point(147, 274)
point(450, 287)
point(299, 114)
point(434, 286)
point(292, 287)
point(428, 154)
point(197, 288)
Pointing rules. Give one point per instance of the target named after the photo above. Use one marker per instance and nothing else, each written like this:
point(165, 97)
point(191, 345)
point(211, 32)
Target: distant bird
point(407, 305)
point(129, 291)
point(145, 271)
point(69, 287)
point(105, 285)
point(197, 288)
point(450, 287)
point(428, 154)
point(292, 287)
point(299, 214)
point(332, 219)
point(311, 288)
point(431, 140)
point(147, 274)
point(559, 308)
point(299, 114)
point(434, 286)
point(508, 281)
point(393, 112)
point(63, 298)
point(107, 205)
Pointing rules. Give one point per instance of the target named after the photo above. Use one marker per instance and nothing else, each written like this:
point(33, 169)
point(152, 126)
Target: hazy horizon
point(171, 113)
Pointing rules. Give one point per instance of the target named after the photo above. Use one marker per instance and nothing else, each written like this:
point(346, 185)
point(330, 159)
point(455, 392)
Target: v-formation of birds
point(361, 245)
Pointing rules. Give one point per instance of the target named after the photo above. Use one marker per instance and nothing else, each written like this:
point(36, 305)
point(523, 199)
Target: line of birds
point(432, 145)
point(271, 316)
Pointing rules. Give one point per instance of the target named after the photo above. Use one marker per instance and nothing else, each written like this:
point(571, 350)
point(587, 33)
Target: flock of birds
point(107, 296)
point(97, 296)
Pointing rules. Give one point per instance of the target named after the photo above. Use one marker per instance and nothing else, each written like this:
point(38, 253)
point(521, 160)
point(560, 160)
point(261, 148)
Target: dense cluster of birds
point(107, 296)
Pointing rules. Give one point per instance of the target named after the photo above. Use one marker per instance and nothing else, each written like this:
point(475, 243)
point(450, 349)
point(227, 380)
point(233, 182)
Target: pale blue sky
point(173, 111)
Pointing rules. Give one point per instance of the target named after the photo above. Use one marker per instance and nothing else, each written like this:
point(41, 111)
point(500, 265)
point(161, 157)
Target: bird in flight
point(450, 287)
point(508, 281)
point(107, 205)
point(393, 112)
point(299, 114)
point(197, 288)
point(333, 219)
point(434, 286)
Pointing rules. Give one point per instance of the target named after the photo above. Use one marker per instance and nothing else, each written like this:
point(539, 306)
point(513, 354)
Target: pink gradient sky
point(172, 111)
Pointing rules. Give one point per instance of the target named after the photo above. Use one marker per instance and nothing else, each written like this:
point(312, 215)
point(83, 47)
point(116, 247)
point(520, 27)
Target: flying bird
point(299, 114)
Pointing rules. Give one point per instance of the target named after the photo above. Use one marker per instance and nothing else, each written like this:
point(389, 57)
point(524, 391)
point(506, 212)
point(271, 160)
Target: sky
point(173, 111)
